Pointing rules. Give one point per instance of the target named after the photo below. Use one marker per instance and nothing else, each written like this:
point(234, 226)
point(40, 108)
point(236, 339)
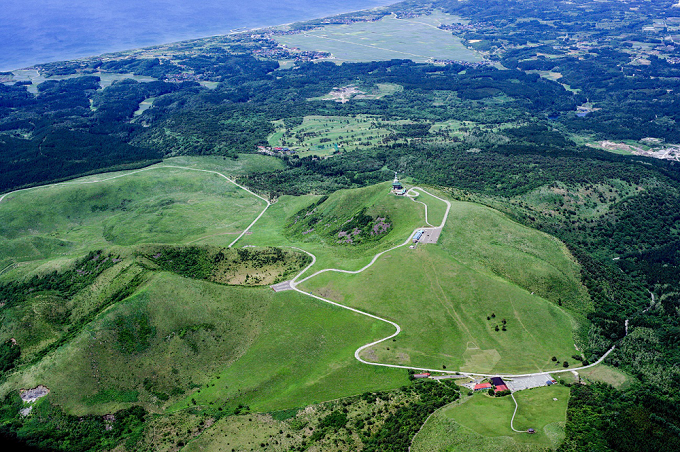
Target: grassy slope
point(68, 220)
point(482, 423)
point(608, 374)
point(233, 344)
point(303, 355)
point(435, 208)
point(404, 214)
point(441, 295)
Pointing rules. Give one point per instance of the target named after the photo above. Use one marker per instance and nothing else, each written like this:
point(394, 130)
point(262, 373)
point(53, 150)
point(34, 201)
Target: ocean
point(41, 31)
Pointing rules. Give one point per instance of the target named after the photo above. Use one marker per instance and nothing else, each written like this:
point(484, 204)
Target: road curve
point(375, 258)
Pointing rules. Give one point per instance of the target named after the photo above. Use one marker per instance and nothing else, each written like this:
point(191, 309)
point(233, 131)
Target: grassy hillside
point(147, 207)
point(178, 339)
point(482, 423)
point(301, 222)
point(441, 296)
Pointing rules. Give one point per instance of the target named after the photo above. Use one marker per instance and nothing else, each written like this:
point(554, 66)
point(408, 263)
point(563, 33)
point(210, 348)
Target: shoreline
point(187, 40)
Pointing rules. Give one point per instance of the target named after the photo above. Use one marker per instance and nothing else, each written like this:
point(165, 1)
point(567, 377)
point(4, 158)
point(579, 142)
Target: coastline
point(180, 40)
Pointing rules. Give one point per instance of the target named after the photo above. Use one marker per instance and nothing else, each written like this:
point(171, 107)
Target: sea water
point(41, 31)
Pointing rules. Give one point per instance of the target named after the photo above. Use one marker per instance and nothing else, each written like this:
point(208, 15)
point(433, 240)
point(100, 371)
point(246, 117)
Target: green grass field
point(177, 345)
point(417, 39)
point(318, 135)
point(67, 220)
point(435, 208)
point(218, 345)
point(607, 374)
point(404, 214)
point(442, 294)
point(482, 423)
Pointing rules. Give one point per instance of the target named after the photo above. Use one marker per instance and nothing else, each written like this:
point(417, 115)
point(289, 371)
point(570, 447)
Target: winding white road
point(357, 354)
point(412, 192)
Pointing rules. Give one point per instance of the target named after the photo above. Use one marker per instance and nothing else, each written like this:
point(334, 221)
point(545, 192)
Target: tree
point(496, 328)
point(565, 364)
point(554, 358)
point(491, 392)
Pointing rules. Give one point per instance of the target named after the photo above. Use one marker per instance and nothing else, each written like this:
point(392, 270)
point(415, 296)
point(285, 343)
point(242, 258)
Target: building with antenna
point(397, 188)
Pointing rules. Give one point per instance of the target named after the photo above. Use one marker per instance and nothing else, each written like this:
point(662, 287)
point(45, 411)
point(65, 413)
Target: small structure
point(418, 235)
point(499, 384)
point(423, 375)
point(531, 430)
point(396, 185)
point(482, 386)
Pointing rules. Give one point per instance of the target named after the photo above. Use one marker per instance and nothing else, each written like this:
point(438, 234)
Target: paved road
point(280, 287)
point(408, 241)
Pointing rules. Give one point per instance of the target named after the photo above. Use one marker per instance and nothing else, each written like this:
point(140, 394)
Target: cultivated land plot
point(69, 219)
point(442, 294)
point(483, 423)
point(416, 39)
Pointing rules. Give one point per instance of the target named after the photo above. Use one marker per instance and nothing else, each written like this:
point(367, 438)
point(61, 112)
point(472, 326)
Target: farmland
point(416, 39)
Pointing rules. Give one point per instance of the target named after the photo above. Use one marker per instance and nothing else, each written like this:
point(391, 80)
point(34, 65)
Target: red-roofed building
point(500, 388)
point(423, 375)
point(483, 386)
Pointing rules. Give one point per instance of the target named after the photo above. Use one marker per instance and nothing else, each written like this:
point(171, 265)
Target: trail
point(512, 420)
point(151, 168)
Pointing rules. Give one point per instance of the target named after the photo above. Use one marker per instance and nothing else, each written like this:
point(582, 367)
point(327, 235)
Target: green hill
point(161, 205)
point(484, 265)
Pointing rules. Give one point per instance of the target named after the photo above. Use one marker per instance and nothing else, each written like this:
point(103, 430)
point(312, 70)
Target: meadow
point(482, 423)
point(319, 135)
point(416, 39)
point(484, 266)
point(179, 342)
point(178, 345)
point(271, 230)
point(67, 220)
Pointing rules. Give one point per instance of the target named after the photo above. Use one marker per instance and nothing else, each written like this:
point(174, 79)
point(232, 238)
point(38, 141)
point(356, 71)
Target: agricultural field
point(482, 423)
point(417, 39)
point(67, 220)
